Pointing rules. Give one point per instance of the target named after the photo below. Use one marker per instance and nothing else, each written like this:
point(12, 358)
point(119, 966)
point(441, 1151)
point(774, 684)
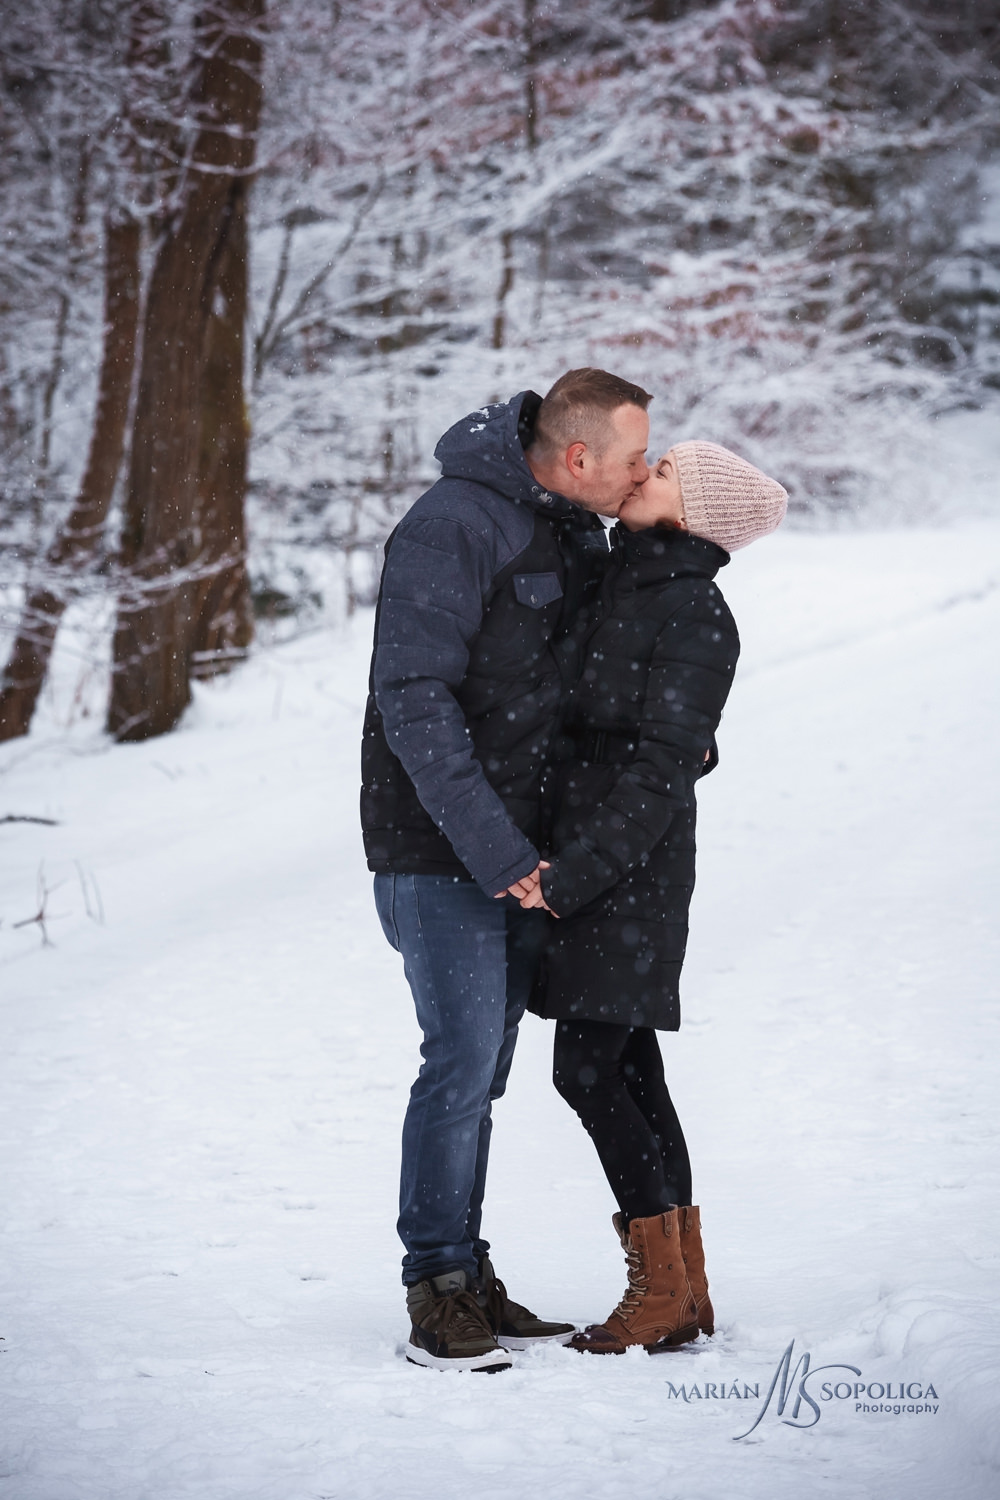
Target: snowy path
point(200, 1099)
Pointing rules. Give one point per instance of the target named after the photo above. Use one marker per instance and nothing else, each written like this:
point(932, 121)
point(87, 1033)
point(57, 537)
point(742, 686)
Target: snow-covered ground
point(201, 1093)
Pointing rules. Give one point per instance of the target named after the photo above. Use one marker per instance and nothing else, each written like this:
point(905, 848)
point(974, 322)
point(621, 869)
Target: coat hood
point(487, 447)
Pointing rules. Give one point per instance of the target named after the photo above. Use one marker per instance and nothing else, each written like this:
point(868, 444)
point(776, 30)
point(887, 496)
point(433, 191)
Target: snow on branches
point(763, 210)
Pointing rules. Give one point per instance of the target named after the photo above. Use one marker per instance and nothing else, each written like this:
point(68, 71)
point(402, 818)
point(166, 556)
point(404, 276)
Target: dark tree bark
point(50, 386)
point(506, 283)
point(179, 577)
point(222, 622)
point(529, 62)
point(78, 541)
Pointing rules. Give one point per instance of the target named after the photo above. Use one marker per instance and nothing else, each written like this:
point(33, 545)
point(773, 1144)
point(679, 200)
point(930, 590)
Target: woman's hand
point(528, 890)
point(533, 897)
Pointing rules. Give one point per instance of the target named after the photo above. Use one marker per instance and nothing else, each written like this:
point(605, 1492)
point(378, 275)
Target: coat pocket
point(537, 589)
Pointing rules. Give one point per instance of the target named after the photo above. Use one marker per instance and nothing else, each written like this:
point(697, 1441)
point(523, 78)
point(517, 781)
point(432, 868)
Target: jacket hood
point(487, 447)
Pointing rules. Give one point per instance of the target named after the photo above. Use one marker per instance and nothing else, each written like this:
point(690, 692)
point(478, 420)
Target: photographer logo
point(801, 1393)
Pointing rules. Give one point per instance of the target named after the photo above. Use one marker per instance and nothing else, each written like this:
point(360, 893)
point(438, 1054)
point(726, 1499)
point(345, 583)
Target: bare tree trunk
point(55, 371)
point(529, 61)
point(503, 291)
point(170, 547)
point(222, 627)
point(77, 542)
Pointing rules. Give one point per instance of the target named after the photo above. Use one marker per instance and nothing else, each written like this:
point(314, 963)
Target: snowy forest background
point(778, 215)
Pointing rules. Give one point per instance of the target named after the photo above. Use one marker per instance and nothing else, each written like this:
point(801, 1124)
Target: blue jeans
point(470, 962)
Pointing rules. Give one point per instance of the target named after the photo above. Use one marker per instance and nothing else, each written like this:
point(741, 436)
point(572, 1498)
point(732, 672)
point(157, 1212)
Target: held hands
point(528, 890)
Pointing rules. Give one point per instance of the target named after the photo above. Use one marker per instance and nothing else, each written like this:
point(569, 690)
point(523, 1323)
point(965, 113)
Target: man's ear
point(577, 457)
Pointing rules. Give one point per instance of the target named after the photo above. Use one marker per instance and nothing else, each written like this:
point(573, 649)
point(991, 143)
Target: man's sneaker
point(450, 1330)
point(513, 1326)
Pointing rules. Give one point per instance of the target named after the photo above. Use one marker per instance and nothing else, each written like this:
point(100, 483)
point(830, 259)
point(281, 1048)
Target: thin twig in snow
point(41, 915)
point(90, 887)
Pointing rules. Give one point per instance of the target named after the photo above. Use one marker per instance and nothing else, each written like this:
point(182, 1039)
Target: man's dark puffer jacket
point(480, 576)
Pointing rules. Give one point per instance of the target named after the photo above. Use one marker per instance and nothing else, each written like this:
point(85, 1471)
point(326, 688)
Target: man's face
point(604, 484)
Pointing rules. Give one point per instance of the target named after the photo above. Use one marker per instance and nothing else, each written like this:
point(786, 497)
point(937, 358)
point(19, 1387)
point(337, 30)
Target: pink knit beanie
point(726, 499)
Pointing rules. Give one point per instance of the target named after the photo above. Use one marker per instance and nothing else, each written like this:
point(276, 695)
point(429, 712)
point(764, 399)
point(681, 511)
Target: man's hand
point(528, 890)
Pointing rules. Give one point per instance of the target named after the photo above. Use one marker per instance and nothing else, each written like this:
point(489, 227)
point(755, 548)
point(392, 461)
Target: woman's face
point(658, 499)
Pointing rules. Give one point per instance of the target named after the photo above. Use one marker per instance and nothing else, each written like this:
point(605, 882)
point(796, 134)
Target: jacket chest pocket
point(516, 631)
point(536, 590)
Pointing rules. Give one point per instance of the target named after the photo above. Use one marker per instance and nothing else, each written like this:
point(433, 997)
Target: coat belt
point(606, 747)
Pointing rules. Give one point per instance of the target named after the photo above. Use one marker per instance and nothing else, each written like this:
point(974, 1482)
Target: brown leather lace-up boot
point(694, 1264)
point(658, 1310)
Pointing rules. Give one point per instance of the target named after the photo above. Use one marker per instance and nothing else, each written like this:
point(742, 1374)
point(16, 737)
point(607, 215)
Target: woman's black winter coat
point(657, 664)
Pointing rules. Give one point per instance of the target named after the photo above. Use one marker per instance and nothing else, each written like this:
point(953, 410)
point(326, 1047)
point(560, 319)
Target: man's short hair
point(579, 409)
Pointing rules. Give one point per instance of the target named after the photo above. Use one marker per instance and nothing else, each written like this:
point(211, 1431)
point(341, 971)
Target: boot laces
point(637, 1284)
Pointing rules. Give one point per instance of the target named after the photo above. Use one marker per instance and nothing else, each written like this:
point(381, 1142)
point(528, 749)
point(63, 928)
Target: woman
point(658, 657)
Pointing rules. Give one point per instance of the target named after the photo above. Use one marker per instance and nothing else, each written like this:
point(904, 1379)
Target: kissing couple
point(542, 706)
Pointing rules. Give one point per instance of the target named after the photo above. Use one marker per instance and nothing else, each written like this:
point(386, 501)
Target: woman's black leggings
point(613, 1077)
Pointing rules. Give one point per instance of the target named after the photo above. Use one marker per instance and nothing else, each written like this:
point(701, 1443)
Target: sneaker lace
point(494, 1301)
point(459, 1312)
point(497, 1304)
point(500, 1306)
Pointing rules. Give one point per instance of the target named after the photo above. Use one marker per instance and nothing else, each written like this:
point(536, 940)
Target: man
point(484, 571)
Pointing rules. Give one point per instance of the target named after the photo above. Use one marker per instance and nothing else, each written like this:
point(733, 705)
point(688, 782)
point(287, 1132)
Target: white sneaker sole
point(549, 1338)
point(487, 1363)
